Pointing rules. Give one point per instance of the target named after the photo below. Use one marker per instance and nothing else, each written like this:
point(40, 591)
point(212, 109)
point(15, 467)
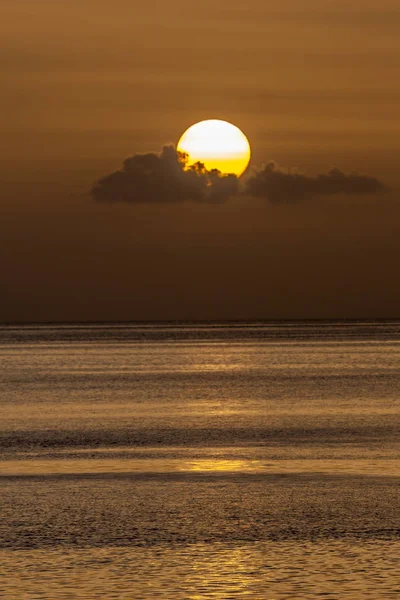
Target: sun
point(218, 145)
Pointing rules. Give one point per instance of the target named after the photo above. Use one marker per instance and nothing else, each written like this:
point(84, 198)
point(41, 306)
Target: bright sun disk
point(218, 145)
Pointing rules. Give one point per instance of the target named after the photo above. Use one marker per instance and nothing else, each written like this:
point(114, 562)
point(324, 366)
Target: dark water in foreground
point(190, 462)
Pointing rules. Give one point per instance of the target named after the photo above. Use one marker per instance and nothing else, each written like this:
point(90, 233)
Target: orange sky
point(85, 84)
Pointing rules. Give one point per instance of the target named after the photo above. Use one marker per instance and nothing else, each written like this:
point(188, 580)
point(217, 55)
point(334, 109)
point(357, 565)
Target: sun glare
point(218, 145)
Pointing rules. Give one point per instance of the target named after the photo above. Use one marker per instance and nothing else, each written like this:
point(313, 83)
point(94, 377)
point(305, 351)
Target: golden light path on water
point(215, 571)
point(264, 462)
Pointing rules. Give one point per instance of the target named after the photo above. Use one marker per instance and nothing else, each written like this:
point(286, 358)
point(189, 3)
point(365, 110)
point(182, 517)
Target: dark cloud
point(150, 178)
point(165, 178)
point(280, 185)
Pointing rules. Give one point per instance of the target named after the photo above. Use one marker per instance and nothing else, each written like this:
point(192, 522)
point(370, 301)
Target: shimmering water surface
point(200, 461)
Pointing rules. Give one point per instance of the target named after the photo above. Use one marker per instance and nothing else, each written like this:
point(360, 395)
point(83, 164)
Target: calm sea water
point(200, 461)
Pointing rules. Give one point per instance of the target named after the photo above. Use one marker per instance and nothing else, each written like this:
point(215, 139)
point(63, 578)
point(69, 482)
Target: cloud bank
point(165, 178)
point(279, 185)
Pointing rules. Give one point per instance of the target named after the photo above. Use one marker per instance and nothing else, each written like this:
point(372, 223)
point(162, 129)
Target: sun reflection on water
point(222, 465)
point(209, 572)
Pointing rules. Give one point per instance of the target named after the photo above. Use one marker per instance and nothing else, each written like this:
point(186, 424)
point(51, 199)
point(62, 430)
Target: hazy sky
point(85, 84)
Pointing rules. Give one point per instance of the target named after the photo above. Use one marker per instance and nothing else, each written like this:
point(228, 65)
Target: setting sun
point(218, 145)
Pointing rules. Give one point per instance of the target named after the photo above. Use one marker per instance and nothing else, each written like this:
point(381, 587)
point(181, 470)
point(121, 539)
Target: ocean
point(200, 461)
